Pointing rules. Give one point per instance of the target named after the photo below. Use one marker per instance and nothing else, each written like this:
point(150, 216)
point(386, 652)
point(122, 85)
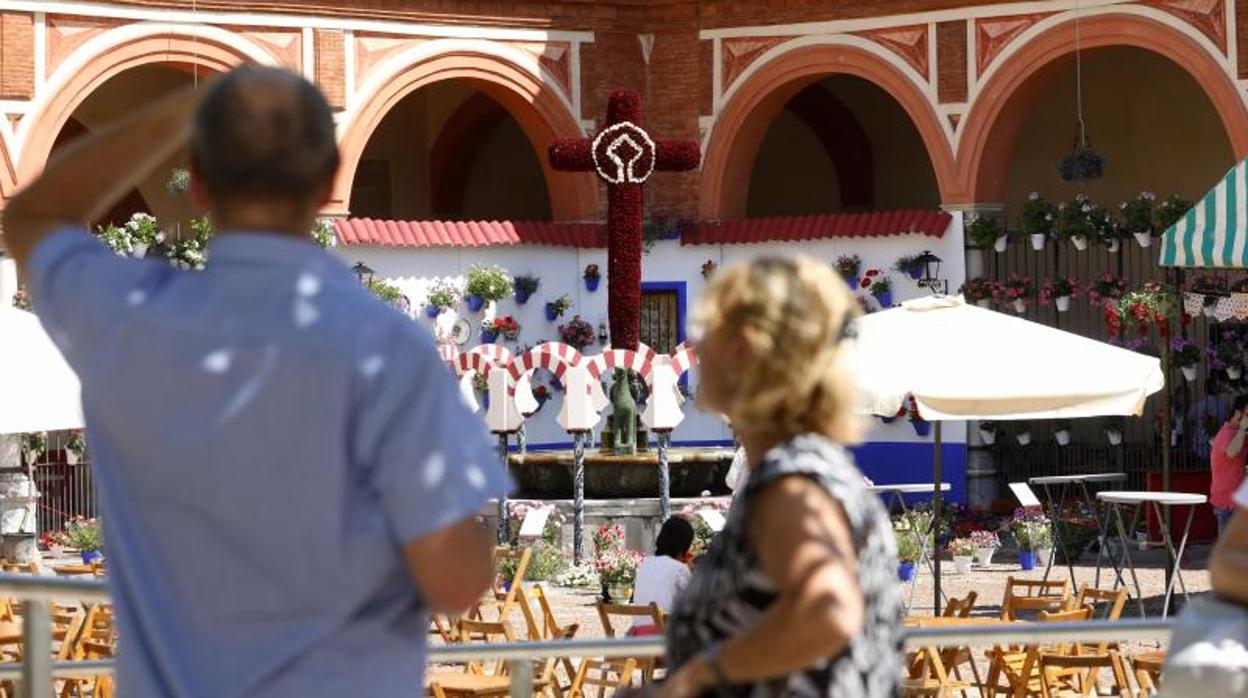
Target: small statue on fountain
point(624, 415)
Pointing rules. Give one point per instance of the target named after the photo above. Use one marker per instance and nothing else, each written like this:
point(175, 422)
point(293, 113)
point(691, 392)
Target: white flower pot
point(1144, 239)
point(1062, 436)
point(1189, 373)
point(1037, 241)
point(1024, 438)
point(1062, 303)
point(984, 302)
point(71, 458)
point(1115, 437)
point(988, 437)
point(1234, 372)
point(1112, 246)
point(1042, 556)
point(1020, 306)
point(140, 250)
point(1080, 242)
point(1001, 243)
point(983, 556)
point(963, 563)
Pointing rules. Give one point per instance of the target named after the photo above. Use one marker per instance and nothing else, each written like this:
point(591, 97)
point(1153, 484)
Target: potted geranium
point(1038, 219)
point(556, 308)
point(708, 268)
point(592, 277)
point(848, 266)
point(1171, 211)
point(1029, 526)
point(907, 554)
point(879, 286)
point(489, 331)
point(442, 296)
point(486, 285)
point(21, 299)
point(981, 291)
point(1138, 217)
point(985, 543)
point(615, 564)
point(1061, 432)
point(1106, 288)
point(1017, 291)
point(984, 230)
point(85, 536)
point(1105, 228)
point(963, 552)
point(1060, 290)
point(910, 265)
point(577, 334)
point(75, 447)
point(1073, 223)
point(1231, 356)
point(526, 285)
point(1186, 356)
point(34, 445)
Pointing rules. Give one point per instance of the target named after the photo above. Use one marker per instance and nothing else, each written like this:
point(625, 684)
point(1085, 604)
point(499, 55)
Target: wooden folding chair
point(1032, 596)
point(616, 673)
point(505, 594)
point(1016, 671)
point(1147, 669)
point(932, 678)
point(1087, 660)
point(486, 679)
point(551, 629)
point(954, 658)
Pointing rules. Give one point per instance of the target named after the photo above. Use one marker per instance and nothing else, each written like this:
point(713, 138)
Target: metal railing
point(37, 669)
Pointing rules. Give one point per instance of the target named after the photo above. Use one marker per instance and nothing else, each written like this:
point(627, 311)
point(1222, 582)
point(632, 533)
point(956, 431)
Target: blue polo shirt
point(266, 435)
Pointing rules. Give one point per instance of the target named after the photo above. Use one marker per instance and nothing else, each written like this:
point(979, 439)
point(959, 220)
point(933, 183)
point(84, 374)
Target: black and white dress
point(729, 591)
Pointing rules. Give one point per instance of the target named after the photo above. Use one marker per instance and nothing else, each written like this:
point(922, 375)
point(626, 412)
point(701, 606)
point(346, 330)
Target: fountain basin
point(548, 474)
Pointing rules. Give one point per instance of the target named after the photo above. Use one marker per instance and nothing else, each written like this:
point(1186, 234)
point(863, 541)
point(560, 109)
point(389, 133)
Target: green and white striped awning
point(1214, 233)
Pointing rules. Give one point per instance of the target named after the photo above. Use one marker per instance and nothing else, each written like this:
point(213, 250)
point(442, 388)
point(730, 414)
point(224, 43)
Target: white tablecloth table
point(1139, 501)
point(1063, 484)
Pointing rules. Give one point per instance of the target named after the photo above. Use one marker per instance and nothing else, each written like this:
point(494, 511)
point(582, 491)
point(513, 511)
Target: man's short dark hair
point(675, 538)
point(263, 133)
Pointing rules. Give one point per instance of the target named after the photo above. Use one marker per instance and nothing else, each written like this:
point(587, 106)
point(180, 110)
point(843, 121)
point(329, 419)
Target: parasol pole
point(937, 476)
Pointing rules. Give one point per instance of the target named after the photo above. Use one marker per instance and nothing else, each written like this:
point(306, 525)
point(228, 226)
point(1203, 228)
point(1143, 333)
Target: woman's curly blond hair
point(792, 316)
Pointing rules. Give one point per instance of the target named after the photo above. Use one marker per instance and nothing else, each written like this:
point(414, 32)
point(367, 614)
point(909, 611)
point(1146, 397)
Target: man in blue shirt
point(287, 475)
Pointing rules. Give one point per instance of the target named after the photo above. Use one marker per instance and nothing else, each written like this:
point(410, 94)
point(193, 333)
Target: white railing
point(37, 669)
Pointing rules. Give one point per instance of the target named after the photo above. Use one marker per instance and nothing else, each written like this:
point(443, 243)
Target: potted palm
point(1038, 218)
point(963, 552)
point(985, 231)
point(1186, 355)
point(1138, 216)
point(526, 285)
point(486, 285)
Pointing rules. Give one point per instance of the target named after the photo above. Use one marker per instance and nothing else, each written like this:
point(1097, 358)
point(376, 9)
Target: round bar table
point(896, 494)
point(1139, 501)
point(1063, 484)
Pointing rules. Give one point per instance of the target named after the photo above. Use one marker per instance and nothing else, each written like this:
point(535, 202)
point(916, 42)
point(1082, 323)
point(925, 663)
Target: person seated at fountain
point(662, 575)
point(799, 594)
point(1226, 460)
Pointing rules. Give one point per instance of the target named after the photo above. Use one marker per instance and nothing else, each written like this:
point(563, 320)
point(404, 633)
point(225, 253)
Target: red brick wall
point(1241, 29)
point(17, 56)
point(330, 66)
point(951, 62)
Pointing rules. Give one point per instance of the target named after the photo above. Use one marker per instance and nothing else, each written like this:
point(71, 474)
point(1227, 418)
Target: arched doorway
point(858, 121)
point(117, 96)
point(840, 144)
point(448, 151)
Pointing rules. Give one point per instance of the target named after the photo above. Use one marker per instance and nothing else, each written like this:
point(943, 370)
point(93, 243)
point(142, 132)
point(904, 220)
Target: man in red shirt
point(1227, 460)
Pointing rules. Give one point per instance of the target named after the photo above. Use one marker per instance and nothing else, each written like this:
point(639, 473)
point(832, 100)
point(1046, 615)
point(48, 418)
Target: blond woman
point(798, 595)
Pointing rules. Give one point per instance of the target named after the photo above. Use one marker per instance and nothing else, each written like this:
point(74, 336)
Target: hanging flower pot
point(1080, 242)
point(1144, 239)
point(988, 436)
point(591, 283)
point(475, 303)
point(1114, 436)
point(888, 420)
point(1020, 306)
point(905, 571)
point(1062, 303)
point(922, 427)
point(522, 297)
point(1189, 373)
point(90, 557)
point(1209, 309)
point(1024, 438)
point(1062, 436)
point(1234, 372)
point(432, 311)
point(1037, 241)
point(1001, 243)
point(1112, 247)
point(489, 336)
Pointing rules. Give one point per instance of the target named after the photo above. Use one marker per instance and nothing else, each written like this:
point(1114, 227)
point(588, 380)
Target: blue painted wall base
point(891, 463)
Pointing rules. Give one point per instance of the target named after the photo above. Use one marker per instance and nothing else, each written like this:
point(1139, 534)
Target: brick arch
point(754, 104)
point(454, 152)
point(991, 128)
point(844, 141)
point(112, 53)
point(541, 112)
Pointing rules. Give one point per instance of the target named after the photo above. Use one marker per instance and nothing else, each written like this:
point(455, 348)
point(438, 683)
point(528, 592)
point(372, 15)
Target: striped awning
point(1214, 233)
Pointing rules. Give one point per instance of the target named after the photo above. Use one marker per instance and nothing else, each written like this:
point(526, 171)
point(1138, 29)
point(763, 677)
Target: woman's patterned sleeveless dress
point(729, 591)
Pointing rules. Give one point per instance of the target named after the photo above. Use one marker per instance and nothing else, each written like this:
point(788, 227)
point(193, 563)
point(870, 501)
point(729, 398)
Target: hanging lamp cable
point(1083, 137)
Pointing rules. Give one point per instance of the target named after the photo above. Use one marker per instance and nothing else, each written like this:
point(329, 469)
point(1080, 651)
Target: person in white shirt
point(662, 575)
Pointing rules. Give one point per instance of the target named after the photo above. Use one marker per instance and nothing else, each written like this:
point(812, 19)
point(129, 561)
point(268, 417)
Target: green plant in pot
point(1073, 222)
point(1039, 216)
point(486, 285)
point(442, 296)
point(985, 230)
point(526, 285)
point(1139, 217)
point(87, 537)
point(907, 554)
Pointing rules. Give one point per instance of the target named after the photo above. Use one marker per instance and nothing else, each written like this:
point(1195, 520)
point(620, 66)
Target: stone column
point(19, 529)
